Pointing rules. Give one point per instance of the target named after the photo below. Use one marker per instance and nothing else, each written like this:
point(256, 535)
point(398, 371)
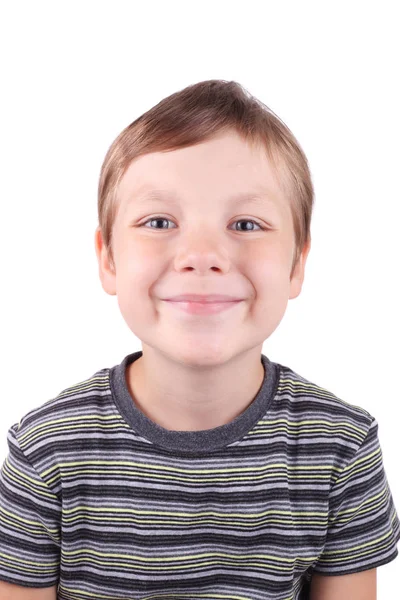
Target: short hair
point(193, 115)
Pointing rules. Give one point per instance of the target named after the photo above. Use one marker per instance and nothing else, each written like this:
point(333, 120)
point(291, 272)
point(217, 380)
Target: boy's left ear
point(296, 282)
point(106, 269)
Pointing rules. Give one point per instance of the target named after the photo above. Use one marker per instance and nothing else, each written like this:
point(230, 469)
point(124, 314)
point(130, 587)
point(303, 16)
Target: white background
point(74, 74)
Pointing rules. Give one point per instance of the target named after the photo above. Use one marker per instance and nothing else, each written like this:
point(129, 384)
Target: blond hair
point(193, 115)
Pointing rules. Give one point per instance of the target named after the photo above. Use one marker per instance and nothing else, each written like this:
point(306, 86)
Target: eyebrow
point(171, 197)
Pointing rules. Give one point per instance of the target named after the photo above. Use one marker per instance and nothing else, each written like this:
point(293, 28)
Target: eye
point(158, 220)
point(246, 228)
point(161, 220)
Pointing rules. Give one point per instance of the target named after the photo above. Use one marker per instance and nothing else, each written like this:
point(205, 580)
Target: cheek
point(137, 261)
point(267, 264)
point(268, 271)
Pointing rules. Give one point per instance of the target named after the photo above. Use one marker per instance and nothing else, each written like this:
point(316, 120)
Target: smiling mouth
point(202, 308)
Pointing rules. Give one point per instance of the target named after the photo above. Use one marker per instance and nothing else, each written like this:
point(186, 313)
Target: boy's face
point(192, 243)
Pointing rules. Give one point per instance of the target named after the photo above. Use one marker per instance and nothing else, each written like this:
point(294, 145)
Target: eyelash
point(160, 218)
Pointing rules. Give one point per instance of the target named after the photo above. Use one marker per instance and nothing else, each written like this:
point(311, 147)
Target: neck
point(182, 397)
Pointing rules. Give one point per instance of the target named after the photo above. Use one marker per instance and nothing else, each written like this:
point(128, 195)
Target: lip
point(203, 308)
point(203, 298)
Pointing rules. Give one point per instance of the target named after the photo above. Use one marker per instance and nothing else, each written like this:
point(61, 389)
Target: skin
point(200, 371)
point(356, 586)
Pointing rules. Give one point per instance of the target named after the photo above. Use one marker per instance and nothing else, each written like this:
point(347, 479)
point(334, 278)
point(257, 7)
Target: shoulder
point(313, 413)
point(304, 395)
point(46, 425)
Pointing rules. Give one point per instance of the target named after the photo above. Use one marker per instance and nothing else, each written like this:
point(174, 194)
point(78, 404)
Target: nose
point(202, 253)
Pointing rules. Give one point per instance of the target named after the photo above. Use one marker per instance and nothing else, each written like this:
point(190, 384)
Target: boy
point(197, 467)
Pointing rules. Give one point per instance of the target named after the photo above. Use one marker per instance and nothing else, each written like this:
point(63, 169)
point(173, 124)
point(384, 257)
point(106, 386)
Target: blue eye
point(248, 221)
point(156, 220)
point(162, 220)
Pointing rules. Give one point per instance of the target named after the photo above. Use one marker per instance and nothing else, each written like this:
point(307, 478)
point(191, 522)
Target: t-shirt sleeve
point(30, 522)
point(363, 524)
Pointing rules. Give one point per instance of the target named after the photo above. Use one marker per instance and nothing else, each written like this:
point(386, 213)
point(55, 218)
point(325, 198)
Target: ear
point(106, 269)
point(296, 281)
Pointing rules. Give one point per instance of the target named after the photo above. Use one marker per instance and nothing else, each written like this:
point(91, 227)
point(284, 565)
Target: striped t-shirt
point(103, 502)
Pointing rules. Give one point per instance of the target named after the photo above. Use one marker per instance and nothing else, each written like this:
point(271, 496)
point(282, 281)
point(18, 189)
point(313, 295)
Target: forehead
point(224, 167)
